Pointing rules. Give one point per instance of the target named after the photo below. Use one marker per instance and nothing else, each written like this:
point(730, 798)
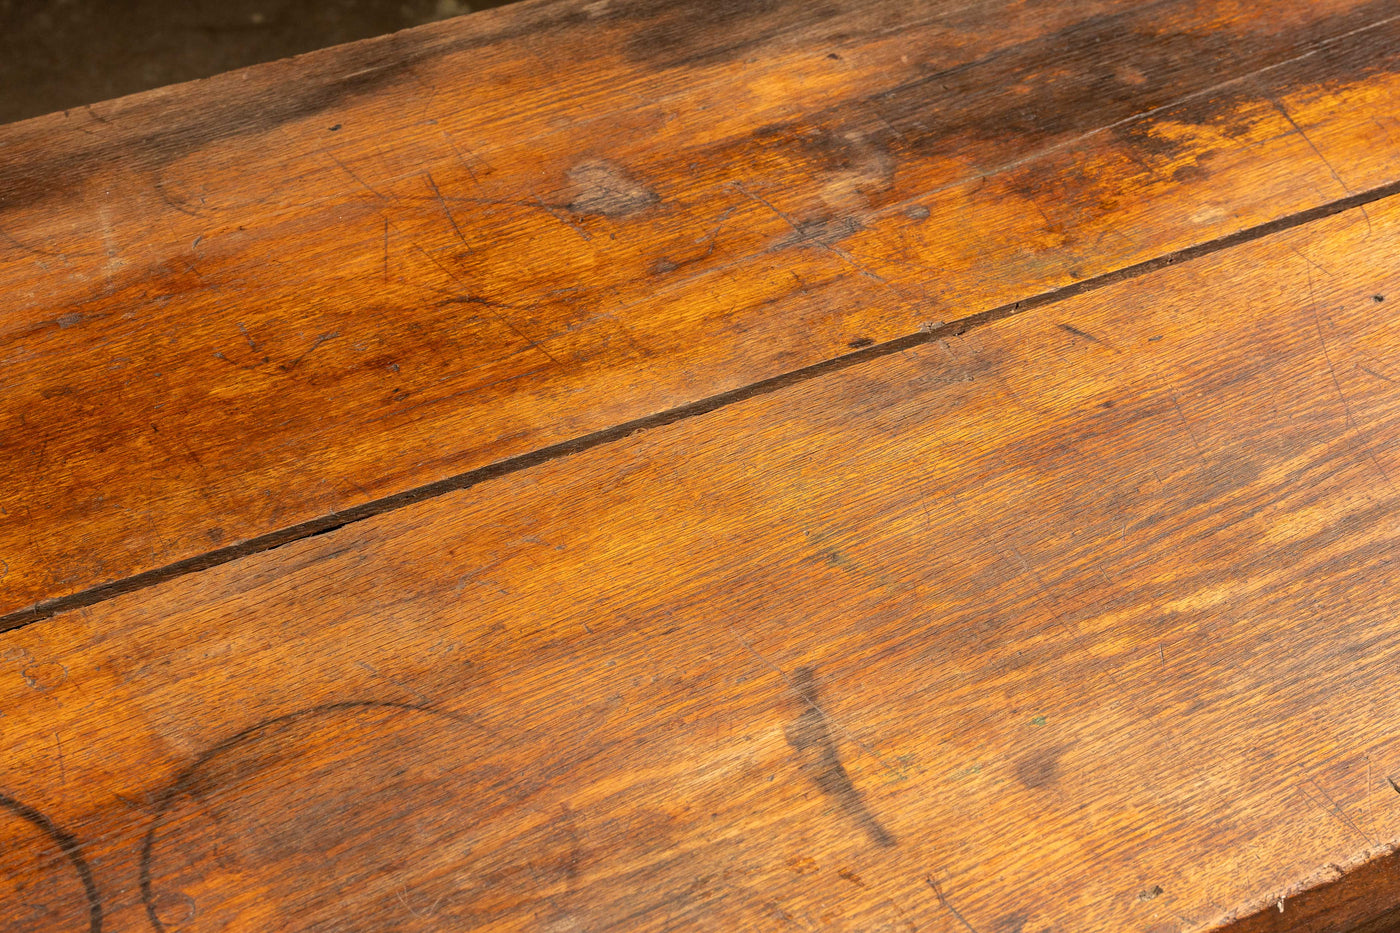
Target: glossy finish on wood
point(245, 304)
point(1084, 620)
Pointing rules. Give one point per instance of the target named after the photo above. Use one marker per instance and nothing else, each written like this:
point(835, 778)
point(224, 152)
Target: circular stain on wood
point(45, 883)
point(357, 815)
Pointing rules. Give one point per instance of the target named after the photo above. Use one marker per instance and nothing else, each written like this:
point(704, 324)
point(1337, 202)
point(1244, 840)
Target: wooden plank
point(267, 300)
point(1084, 620)
point(1366, 900)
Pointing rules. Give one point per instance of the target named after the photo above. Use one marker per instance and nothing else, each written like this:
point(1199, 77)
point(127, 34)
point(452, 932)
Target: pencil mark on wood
point(820, 759)
point(252, 344)
point(71, 849)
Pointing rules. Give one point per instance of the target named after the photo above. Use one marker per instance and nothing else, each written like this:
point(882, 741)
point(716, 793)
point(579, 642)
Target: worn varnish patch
point(607, 189)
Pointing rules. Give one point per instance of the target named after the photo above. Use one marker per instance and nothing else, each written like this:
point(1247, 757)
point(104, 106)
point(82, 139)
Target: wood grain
point(262, 301)
point(1364, 900)
point(1084, 620)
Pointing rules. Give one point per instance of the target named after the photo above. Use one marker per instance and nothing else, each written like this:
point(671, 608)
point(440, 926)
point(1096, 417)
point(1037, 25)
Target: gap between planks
point(337, 520)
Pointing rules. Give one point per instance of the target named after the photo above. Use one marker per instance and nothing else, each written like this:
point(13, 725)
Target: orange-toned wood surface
point(1084, 620)
point(239, 306)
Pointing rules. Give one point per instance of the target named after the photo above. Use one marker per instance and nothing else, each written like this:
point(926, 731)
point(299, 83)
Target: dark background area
point(57, 54)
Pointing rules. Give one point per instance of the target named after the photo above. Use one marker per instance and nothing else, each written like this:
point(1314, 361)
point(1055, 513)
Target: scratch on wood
point(490, 307)
point(933, 883)
point(397, 683)
point(807, 236)
point(288, 367)
point(1332, 808)
point(1337, 384)
point(462, 158)
point(1370, 803)
point(448, 211)
point(562, 218)
point(362, 183)
point(1278, 104)
point(1200, 455)
point(845, 733)
point(1371, 372)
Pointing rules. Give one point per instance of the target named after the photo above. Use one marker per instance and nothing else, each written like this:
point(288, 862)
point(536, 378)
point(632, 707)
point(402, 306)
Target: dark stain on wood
point(24, 184)
point(706, 33)
point(1110, 67)
point(324, 80)
point(810, 736)
point(851, 876)
point(1040, 769)
point(1013, 923)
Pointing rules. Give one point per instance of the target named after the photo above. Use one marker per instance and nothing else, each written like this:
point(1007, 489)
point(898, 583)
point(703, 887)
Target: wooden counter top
point(746, 466)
